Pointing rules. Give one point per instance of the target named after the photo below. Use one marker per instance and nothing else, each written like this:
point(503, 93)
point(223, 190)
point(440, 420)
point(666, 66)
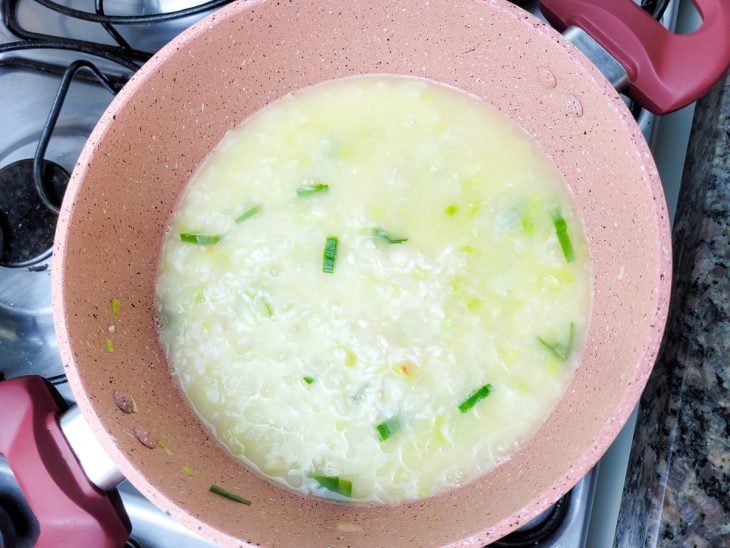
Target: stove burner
point(533, 535)
point(27, 225)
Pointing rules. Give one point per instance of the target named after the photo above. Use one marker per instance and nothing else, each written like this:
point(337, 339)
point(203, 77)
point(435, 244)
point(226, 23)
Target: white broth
point(374, 289)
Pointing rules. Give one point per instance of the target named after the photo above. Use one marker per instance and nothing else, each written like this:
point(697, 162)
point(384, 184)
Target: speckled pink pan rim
point(87, 392)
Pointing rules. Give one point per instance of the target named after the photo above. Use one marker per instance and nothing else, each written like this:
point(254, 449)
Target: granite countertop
point(677, 490)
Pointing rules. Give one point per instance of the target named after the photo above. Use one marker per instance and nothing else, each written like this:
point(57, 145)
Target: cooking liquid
point(368, 382)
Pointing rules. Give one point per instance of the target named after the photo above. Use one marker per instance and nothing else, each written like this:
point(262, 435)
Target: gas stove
point(60, 66)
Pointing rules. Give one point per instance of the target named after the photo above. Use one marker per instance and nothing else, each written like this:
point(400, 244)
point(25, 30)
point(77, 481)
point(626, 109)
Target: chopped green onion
point(346, 352)
point(199, 295)
point(266, 306)
point(109, 345)
point(247, 214)
point(357, 396)
point(162, 445)
point(556, 349)
point(304, 191)
point(232, 496)
point(451, 210)
point(387, 238)
point(527, 224)
point(259, 303)
point(387, 428)
point(561, 229)
point(116, 306)
point(560, 351)
point(335, 484)
point(187, 470)
point(330, 255)
point(350, 358)
point(309, 379)
point(476, 396)
point(200, 239)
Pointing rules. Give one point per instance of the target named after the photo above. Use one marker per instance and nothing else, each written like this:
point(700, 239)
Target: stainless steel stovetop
point(27, 340)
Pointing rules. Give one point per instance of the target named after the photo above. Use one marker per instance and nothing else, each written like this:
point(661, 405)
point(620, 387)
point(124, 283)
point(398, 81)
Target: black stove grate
point(34, 187)
point(121, 51)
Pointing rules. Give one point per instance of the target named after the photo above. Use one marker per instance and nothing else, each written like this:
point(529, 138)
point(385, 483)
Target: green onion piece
point(335, 484)
point(200, 239)
point(451, 210)
point(476, 396)
point(360, 393)
point(556, 349)
point(267, 308)
point(350, 358)
point(116, 306)
point(330, 255)
point(260, 304)
point(232, 496)
point(309, 190)
point(561, 229)
point(387, 428)
point(560, 351)
point(387, 238)
point(162, 445)
point(199, 295)
point(309, 379)
point(247, 214)
point(527, 224)
point(109, 345)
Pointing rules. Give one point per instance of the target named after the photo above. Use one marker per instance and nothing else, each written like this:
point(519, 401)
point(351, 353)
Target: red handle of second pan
point(70, 510)
point(666, 71)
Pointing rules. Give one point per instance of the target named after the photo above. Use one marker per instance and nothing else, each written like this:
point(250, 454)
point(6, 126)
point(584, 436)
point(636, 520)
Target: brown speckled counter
point(677, 490)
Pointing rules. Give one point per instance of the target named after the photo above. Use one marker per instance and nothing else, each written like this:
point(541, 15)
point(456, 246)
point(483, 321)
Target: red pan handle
point(70, 510)
point(666, 71)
